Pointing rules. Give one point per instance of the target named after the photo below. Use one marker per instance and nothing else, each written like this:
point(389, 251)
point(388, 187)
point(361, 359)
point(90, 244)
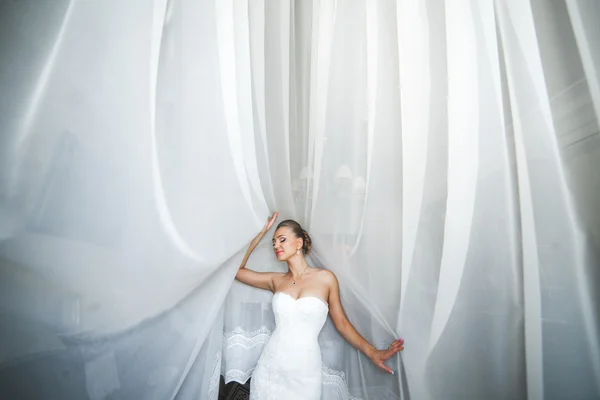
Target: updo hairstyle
point(299, 232)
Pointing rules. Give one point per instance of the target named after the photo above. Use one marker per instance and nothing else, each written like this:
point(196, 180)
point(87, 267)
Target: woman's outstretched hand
point(378, 357)
point(269, 223)
point(259, 280)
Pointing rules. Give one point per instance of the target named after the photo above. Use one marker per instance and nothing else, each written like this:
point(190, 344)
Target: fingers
point(270, 221)
point(381, 357)
point(389, 354)
point(396, 347)
point(395, 350)
point(384, 355)
point(397, 344)
point(384, 367)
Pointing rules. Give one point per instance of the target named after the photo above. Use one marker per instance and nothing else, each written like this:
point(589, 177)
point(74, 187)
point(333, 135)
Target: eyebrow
point(279, 237)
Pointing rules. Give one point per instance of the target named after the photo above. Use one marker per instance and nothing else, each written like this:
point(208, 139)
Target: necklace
point(294, 280)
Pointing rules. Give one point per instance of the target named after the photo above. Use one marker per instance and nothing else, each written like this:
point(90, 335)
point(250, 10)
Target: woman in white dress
point(290, 366)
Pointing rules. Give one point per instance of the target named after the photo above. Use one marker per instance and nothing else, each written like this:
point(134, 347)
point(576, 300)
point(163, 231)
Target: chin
point(283, 257)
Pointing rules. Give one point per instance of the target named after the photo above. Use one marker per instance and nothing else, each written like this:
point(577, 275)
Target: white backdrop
point(443, 155)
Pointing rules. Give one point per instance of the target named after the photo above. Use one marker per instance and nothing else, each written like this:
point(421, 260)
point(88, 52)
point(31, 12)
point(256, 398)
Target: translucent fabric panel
point(112, 283)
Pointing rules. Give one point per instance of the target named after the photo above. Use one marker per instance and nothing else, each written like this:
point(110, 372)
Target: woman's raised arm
point(261, 280)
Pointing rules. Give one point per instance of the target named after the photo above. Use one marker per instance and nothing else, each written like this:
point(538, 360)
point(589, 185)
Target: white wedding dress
point(290, 365)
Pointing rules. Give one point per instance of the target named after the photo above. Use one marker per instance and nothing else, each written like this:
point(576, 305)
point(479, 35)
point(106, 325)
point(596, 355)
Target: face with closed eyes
point(286, 243)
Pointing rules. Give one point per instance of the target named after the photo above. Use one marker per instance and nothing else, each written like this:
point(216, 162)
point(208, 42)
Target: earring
point(298, 251)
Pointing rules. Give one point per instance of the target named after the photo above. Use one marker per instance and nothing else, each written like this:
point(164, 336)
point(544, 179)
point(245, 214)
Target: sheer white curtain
point(444, 156)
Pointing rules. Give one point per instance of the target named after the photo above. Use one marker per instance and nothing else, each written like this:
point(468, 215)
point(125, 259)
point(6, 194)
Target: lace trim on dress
point(334, 380)
point(213, 386)
point(333, 377)
point(247, 340)
point(238, 376)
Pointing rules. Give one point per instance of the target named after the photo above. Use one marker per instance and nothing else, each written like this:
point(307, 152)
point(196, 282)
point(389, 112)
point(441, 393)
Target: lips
point(278, 252)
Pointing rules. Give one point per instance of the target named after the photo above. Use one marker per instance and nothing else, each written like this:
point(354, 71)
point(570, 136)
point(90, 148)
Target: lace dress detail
point(290, 364)
point(213, 388)
point(239, 337)
point(334, 383)
point(240, 346)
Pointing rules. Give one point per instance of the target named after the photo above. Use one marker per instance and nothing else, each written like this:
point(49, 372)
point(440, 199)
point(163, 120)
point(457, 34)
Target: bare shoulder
point(327, 276)
point(277, 276)
point(261, 280)
point(333, 290)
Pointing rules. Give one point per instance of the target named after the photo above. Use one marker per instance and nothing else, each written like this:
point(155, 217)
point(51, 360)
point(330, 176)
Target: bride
point(290, 364)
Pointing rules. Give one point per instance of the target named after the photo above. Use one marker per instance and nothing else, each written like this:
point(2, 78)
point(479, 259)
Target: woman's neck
point(297, 265)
